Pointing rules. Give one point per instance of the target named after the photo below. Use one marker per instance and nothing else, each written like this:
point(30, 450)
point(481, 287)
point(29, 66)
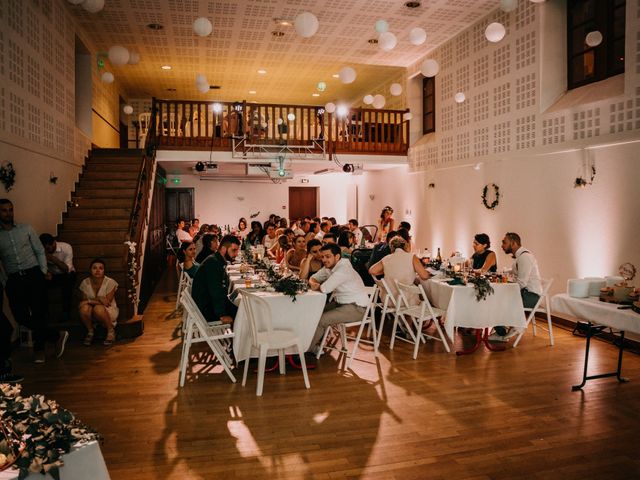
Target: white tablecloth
point(593, 310)
point(82, 464)
point(503, 307)
point(301, 317)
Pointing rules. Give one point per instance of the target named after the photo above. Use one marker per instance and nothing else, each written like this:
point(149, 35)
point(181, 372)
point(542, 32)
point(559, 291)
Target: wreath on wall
point(7, 175)
point(496, 193)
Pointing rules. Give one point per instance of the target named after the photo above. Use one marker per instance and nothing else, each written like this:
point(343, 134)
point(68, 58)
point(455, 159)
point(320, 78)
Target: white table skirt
point(593, 310)
point(503, 307)
point(83, 463)
point(301, 317)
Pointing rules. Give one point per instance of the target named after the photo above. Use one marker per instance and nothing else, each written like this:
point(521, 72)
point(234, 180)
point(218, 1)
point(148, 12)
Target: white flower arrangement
point(132, 273)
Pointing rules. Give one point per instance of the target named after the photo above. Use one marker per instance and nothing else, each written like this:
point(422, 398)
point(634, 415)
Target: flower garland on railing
point(44, 432)
point(132, 274)
point(496, 191)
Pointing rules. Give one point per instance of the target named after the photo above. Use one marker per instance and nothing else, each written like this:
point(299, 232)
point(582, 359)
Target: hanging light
point(368, 99)
point(291, 117)
point(202, 26)
point(429, 68)
point(395, 89)
point(127, 109)
point(459, 97)
point(321, 86)
point(107, 77)
point(306, 24)
point(495, 32)
point(93, 6)
point(379, 101)
point(508, 5)
point(387, 41)
point(118, 55)
point(407, 116)
point(381, 26)
point(217, 107)
point(593, 39)
point(342, 110)
point(330, 107)
point(134, 58)
point(417, 36)
point(347, 75)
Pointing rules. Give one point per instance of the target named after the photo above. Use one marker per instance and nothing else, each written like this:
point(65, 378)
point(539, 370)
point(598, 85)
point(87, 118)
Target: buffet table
point(598, 315)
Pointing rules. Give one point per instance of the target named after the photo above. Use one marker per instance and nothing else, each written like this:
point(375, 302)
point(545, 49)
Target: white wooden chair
point(217, 336)
point(417, 314)
point(264, 338)
point(542, 305)
point(388, 305)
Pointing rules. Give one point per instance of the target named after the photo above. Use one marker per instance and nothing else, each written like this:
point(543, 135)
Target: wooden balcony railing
point(195, 125)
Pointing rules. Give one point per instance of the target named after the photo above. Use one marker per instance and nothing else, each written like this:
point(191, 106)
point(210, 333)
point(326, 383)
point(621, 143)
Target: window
point(428, 105)
point(591, 64)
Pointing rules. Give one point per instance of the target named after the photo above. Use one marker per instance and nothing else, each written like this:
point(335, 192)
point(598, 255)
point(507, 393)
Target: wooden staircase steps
point(99, 213)
point(101, 202)
point(83, 192)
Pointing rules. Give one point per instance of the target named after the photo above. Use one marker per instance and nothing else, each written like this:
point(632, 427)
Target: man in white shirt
point(353, 228)
point(181, 235)
point(526, 272)
point(61, 272)
point(270, 240)
point(324, 229)
point(350, 296)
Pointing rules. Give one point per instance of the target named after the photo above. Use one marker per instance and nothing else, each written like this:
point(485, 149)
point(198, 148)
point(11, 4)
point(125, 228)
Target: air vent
point(373, 41)
point(414, 4)
point(155, 26)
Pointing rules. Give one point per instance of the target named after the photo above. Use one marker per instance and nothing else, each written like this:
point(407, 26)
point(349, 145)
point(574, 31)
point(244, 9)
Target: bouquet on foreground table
point(36, 432)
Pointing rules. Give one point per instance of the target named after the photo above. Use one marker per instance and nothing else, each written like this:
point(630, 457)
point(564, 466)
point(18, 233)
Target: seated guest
point(349, 293)
point(211, 284)
point(242, 230)
point(61, 271)
point(98, 304)
point(254, 237)
point(381, 249)
point(525, 270)
point(209, 247)
point(283, 223)
point(355, 229)
point(483, 259)
point(297, 254)
point(400, 265)
point(282, 247)
point(314, 229)
point(181, 235)
point(333, 221)
point(324, 229)
point(313, 262)
point(187, 255)
point(194, 228)
point(329, 238)
point(299, 229)
point(270, 240)
point(345, 242)
point(290, 235)
point(405, 225)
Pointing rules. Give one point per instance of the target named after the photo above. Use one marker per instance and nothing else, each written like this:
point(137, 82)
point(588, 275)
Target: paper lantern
point(134, 58)
point(429, 68)
point(508, 5)
point(342, 111)
point(322, 86)
point(387, 41)
point(459, 97)
point(537, 1)
point(107, 77)
point(593, 39)
point(118, 55)
point(201, 79)
point(291, 117)
point(381, 26)
point(347, 75)
point(407, 116)
point(203, 87)
point(202, 26)
point(330, 107)
point(417, 36)
point(264, 125)
point(279, 121)
point(395, 89)
point(306, 24)
point(75, 2)
point(495, 32)
point(217, 107)
point(128, 109)
point(93, 6)
point(368, 99)
point(379, 101)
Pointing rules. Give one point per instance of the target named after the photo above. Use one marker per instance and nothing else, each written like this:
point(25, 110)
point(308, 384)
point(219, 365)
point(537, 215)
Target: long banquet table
point(598, 315)
point(503, 307)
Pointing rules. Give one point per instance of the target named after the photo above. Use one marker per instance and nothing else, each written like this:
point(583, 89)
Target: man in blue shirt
point(25, 265)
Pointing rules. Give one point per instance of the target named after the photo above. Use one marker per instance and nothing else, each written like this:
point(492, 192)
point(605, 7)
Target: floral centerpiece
point(43, 430)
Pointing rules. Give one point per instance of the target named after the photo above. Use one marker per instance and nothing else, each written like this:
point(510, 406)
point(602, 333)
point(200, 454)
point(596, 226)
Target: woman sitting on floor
point(98, 303)
point(187, 255)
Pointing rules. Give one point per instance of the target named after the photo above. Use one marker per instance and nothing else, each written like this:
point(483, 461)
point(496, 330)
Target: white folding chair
point(539, 307)
point(265, 338)
point(388, 305)
point(181, 282)
point(197, 330)
point(418, 314)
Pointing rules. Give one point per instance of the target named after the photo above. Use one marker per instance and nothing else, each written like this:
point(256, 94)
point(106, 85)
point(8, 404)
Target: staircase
point(97, 222)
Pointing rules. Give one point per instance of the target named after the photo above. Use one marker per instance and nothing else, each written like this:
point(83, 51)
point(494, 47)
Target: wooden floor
point(489, 415)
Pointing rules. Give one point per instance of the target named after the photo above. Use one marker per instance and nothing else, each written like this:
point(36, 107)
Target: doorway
point(179, 203)
point(303, 202)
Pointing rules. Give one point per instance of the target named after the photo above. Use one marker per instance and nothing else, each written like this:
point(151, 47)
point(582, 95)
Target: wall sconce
point(52, 178)
point(587, 172)
point(431, 185)
point(371, 196)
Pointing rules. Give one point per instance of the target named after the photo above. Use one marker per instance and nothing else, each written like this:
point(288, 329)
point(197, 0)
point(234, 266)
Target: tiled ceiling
point(242, 43)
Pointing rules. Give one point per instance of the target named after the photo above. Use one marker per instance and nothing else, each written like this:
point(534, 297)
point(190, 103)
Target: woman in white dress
point(98, 303)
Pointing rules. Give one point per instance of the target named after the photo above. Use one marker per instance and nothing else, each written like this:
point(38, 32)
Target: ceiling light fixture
point(336, 75)
point(155, 26)
point(315, 94)
point(262, 71)
point(282, 21)
point(277, 33)
point(166, 67)
point(252, 92)
point(413, 4)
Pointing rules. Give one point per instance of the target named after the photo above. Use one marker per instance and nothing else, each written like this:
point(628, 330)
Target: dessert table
point(502, 308)
point(598, 315)
point(85, 462)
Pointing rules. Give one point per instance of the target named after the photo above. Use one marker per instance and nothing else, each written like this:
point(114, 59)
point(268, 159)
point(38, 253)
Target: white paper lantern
point(202, 26)
point(593, 39)
point(342, 110)
point(330, 107)
point(368, 99)
point(417, 36)
point(429, 68)
point(459, 97)
point(107, 77)
point(387, 41)
point(93, 6)
point(134, 58)
point(75, 2)
point(118, 55)
point(347, 75)
point(291, 117)
point(508, 5)
point(127, 109)
point(201, 79)
point(395, 89)
point(407, 116)
point(495, 32)
point(264, 125)
point(321, 86)
point(217, 107)
point(379, 101)
point(279, 121)
point(537, 1)
point(203, 87)
point(381, 26)
point(306, 24)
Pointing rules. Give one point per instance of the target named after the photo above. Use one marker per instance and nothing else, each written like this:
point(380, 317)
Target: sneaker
point(10, 377)
point(496, 337)
point(88, 339)
point(61, 343)
point(38, 357)
point(111, 337)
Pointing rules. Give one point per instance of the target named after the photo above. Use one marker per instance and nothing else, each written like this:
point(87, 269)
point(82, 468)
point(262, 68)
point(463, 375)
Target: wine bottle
point(438, 256)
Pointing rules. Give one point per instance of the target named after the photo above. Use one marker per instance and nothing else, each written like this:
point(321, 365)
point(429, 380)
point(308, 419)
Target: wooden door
point(303, 202)
point(179, 204)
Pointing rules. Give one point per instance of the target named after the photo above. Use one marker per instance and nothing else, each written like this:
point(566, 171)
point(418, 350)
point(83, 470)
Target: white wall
point(219, 202)
point(572, 232)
